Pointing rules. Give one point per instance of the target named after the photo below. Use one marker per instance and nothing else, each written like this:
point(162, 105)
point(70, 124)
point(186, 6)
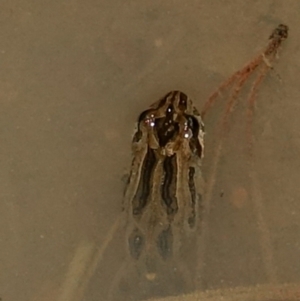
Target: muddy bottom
point(75, 76)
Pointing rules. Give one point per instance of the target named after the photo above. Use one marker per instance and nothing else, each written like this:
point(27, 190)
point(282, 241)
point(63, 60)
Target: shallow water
point(74, 77)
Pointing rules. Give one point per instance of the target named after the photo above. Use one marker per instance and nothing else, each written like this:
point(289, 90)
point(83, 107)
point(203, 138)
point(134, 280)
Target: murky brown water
point(74, 76)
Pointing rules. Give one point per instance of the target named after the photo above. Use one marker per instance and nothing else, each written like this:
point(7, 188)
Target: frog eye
point(187, 133)
point(150, 120)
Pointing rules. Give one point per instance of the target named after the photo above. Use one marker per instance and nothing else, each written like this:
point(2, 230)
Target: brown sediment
point(268, 292)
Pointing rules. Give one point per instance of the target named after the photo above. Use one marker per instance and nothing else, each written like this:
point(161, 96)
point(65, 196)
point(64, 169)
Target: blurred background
point(74, 77)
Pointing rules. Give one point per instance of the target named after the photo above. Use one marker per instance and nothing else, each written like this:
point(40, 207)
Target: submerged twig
point(264, 62)
point(266, 57)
